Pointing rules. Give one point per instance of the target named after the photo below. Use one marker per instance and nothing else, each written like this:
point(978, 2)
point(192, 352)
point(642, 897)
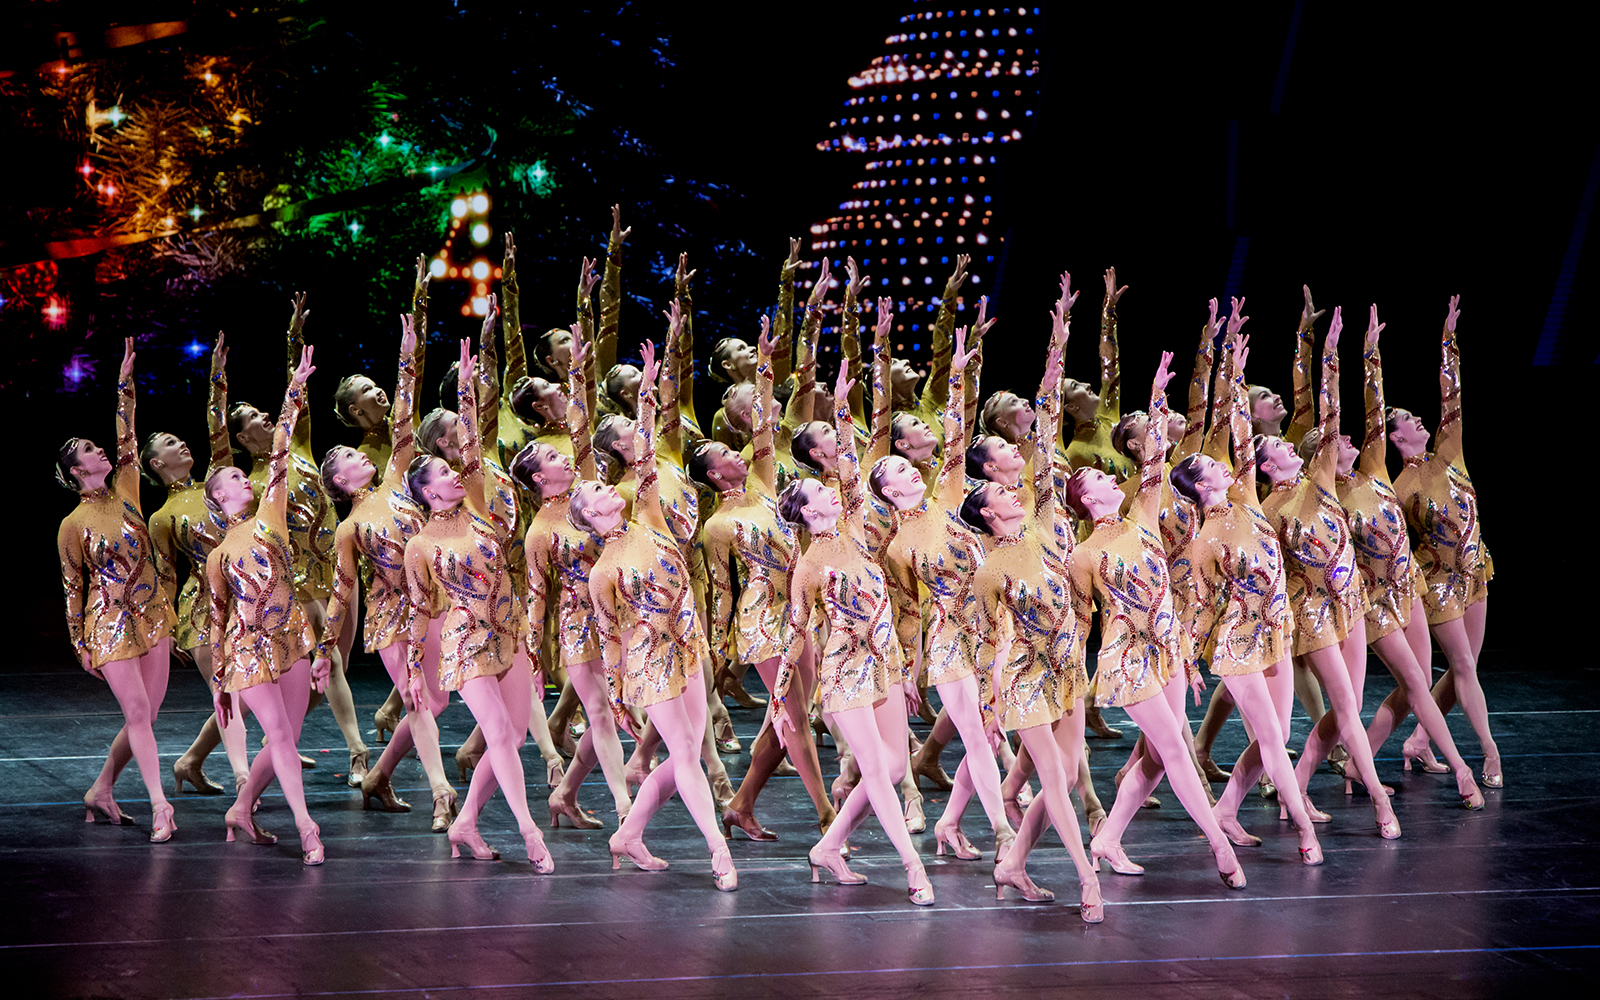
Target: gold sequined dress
point(1441, 507)
point(458, 567)
point(116, 606)
point(258, 628)
point(1122, 568)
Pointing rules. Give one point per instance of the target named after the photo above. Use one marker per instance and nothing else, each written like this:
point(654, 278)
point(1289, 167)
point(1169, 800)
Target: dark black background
point(1389, 157)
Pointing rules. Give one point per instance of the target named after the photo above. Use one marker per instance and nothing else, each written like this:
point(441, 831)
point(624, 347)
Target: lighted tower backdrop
point(932, 118)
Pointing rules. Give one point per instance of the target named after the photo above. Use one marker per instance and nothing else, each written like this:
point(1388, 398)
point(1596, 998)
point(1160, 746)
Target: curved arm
point(126, 474)
point(488, 378)
point(850, 347)
point(669, 435)
point(220, 595)
point(851, 495)
point(1199, 385)
point(476, 499)
point(935, 391)
point(1304, 417)
point(647, 493)
point(882, 386)
point(419, 582)
point(1243, 489)
point(1447, 442)
point(579, 401)
point(801, 404)
point(511, 319)
point(683, 347)
point(1325, 463)
point(419, 323)
point(1375, 446)
point(300, 439)
point(1217, 437)
point(344, 587)
point(763, 423)
point(69, 545)
point(1110, 409)
point(952, 481)
point(605, 345)
point(275, 499)
point(217, 412)
point(718, 557)
point(400, 419)
point(783, 323)
point(1046, 429)
point(1147, 502)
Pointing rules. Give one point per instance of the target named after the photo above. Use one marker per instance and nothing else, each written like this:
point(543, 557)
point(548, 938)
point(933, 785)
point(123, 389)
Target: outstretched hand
point(842, 384)
point(673, 314)
point(219, 354)
point(465, 366)
point(321, 670)
point(684, 275)
point(651, 366)
point(508, 267)
point(297, 321)
point(880, 333)
point(960, 357)
point(958, 277)
point(1310, 314)
point(1373, 326)
point(1331, 342)
point(618, 234)
point(1164, 372)
point(587, 278)
point(1069, 298)
point(1454, 313)
point(127, 360)
point(819, 289)
point(1113, 293)
point(1213, 325)
point(981, 325)
point(303, 372)
point(857, 279)
point(423, 277)
point(408, 335)
point(767, 342)
point(486, 334)
point(1237, 320)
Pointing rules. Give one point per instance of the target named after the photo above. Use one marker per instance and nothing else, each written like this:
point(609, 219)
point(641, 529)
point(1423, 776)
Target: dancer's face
point(170, 458)
point(351, 469)
point(1279, 460)
point(901, 482)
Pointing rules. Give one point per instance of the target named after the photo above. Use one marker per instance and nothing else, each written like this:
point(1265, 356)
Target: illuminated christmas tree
point(932, 117)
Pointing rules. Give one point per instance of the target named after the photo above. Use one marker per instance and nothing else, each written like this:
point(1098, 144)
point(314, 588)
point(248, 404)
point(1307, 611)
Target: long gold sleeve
point(1375, 443)
point(605, 345)
point(1303, 418)
point(1199, 384)
point(217, 418)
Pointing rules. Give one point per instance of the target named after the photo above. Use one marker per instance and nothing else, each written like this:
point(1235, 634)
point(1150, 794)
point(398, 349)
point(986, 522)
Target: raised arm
point(952, 484)
point(511, 323)
point(783, 323)
point(579, 401)
point(126, 473)
point(1147, 503)
point(764, 414)
point(683, 344)
point(851, 495)
point(969, 398)
point(419, 323)
point(1047, 406)
point(1303, 418)
point(605, 347)
point(935, 390)
point(476, 500)
point(1110, 409)
point(1325, 463)
point(488, 379)
point(275, 500)
point(1447, 442)
point(670, 438)
point(217, 410)
point(400, 432)
point(1243, 489)
point(850, 340)
point(584, 316)
point(882, 386)
point(647, 495)
point(1199, 384)
point(300, 440)
point(1374, 446)
point(805, 375)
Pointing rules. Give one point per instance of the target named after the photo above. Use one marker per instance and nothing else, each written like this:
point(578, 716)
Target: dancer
point(561, 556)
point(746, 528)
point(1441, 506)
point(865, 687)
point(1325, 591)
point(1122, 567)
point(932, 549)
point(1236, 600)
point(118, 616)
point(1024, 606)
point(260, 638)
point(1396, 622)
point(651, 641)
point(382, 520)
point(458, 571)
point(183, 525)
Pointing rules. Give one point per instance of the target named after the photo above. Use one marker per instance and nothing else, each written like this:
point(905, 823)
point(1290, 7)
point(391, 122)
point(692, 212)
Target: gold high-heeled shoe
point(360, 764)
point(184, 769)
point(1317, 815)
point(721, 789)
point(1214, 774)
point(444, 810)
point(554, 770)
point(934, 773)
point(835, 864)
point(94, 810)
point(950, 835)
point(1422, 753)
point(473, 842)
point(163, 824)
point(636, 852)
point(571, 810)
point(1096, 724)
point(1115, 856)
point(466, 763)
point(1472, 799)
point(311, 853)
point(1095, 912)
point(1020, 882)
point(384, 724)
point(726, 741)
point(729, 686)
point(1496, 779)
point(920, 895)
point(916, 822)
point(727, 880)
point(246, 825)
point(747, 823)
point(376, 785)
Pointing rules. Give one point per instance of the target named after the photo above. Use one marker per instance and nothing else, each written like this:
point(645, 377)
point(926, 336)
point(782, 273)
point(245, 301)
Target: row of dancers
point(856, 545)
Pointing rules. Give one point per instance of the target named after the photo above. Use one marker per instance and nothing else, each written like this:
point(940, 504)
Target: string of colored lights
point(932, 115)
